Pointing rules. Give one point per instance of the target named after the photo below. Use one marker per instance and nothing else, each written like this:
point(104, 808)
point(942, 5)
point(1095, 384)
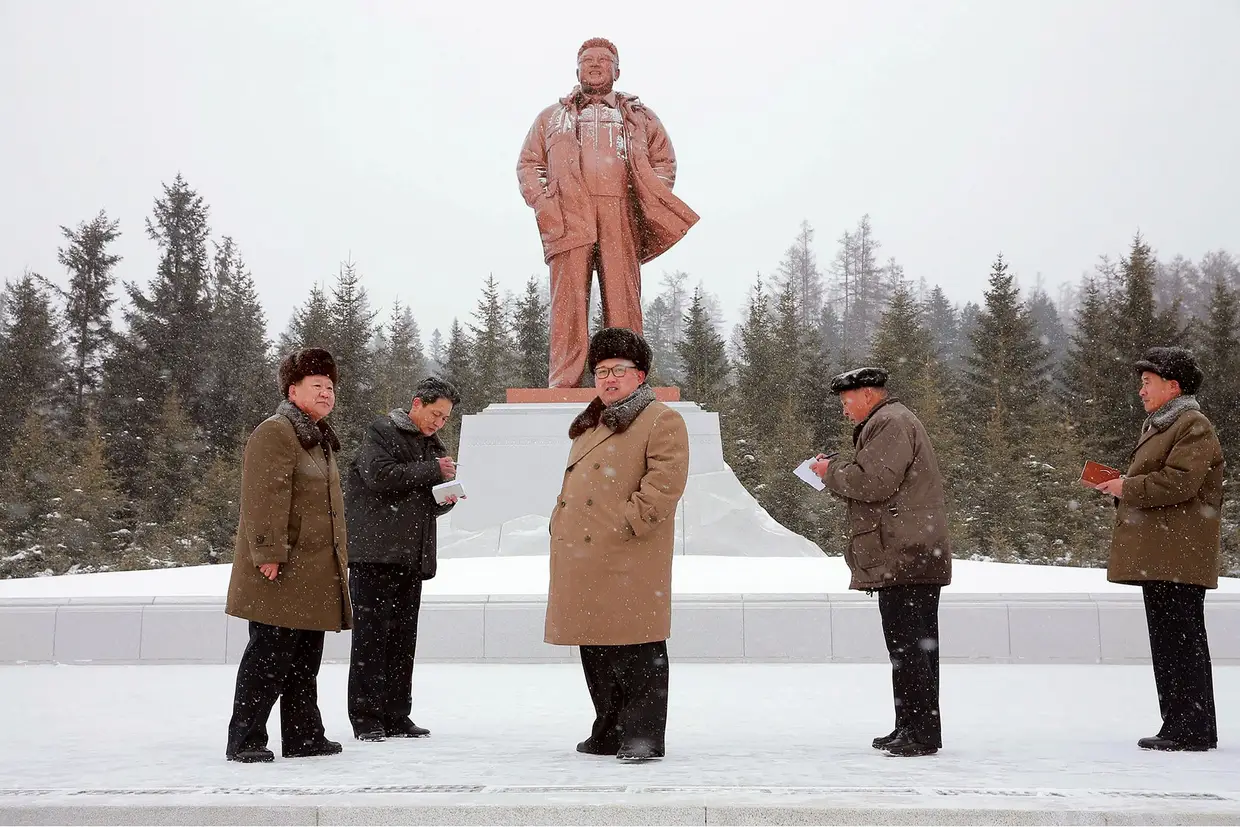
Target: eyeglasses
point(617, 371)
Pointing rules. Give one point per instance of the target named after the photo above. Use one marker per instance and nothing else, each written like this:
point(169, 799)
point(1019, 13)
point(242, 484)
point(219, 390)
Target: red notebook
point(1095, 474)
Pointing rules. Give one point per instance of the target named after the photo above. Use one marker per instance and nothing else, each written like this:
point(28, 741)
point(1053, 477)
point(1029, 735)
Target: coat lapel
point(587, 442)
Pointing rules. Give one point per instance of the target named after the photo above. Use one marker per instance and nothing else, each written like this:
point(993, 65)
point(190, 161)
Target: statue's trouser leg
point(569, 315)
point(620, 280)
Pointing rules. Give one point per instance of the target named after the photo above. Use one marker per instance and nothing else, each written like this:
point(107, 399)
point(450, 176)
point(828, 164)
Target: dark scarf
point(309, 433)
point(1163, 418)
point(403, 422)
point(618, 417)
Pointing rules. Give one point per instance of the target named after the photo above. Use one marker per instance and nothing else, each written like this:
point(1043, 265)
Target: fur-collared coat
point(614, 527)
point(292, 513)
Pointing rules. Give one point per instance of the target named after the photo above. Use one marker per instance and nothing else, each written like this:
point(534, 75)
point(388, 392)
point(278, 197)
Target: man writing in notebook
point(899, 545)
point(391, 512)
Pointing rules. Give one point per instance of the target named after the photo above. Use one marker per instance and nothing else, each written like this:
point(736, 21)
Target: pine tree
point(458, 369)
point(530, 331)
point(800, 267)
point(436, 349)
point(31, 480)
point(1219, 348)
point(703, 355)
point(1005, 373)
point(401, 364)
point(177, 459)
point(351, 333)
point(88, 304)
point(660, 332)
point(31, 370)
point(167, 338)
point(86, 527)
point(1047, 325)
point(492, 348)
point(239, 362)
point(902, 345)
point(1088, 377)
point(311, 325)
point(943, 324)
point(859, 291)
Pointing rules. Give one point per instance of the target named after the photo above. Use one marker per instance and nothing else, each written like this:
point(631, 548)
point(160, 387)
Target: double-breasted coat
point(613, 532)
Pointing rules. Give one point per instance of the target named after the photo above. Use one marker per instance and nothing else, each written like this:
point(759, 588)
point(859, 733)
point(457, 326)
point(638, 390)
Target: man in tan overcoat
point(290, 565)
point(612, 536)
point(1167, 541)
point(598, 168)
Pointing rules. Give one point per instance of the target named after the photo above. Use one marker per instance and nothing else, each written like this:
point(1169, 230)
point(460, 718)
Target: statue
point(598, 168)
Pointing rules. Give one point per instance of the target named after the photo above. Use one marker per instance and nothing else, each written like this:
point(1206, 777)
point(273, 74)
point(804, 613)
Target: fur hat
point(601, 42)
point(1173, 364)
point(859, 378)
point(619, 343)
point(313, 361)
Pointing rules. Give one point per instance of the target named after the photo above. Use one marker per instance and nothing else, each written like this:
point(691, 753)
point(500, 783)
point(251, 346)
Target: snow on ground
point(691, 574)
point(1048, 728)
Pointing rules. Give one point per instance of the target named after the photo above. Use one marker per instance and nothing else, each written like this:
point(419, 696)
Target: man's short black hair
point(431, 389)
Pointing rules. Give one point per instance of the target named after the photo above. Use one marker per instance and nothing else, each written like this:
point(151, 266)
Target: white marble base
point(512, 464)
point(806, 628)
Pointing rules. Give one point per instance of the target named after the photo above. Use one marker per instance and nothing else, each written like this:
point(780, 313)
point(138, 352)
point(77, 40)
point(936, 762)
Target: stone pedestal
point(512, 459)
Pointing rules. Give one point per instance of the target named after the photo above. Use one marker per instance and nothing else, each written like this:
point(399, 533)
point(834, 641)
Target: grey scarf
point(309, 433)
point(618, 417)
point(1163, 418)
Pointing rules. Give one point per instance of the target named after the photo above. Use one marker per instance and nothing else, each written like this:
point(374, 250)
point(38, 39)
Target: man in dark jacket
point(1167, 541)
point(899, 546)
point(391, 513)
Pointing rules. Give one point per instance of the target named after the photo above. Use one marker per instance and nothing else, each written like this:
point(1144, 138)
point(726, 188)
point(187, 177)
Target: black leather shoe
point(371, 735)
point(638, 751)
point(314, 749)
point(904, 746)
point(406, 729)
point(882, 741)
point(253, 755)
point(1170, 745)
point(591, 747)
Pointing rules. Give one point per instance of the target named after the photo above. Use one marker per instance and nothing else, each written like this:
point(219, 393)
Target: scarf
point(618, 417)
point(309, 433)
point(1163, 418)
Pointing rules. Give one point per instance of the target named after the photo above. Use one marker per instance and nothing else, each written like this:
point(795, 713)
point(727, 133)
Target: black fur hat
point(859, 378)
point(313, 361)
point(619, 343)
point(1173, 364)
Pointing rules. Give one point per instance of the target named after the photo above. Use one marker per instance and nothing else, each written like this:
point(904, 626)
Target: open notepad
point(807, 476)
point(451, 488)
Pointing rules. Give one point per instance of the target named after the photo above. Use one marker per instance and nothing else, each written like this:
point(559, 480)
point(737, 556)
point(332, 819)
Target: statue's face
point(597, 69)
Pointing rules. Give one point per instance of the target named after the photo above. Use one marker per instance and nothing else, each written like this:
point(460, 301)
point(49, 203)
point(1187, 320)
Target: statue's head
point(598, 65)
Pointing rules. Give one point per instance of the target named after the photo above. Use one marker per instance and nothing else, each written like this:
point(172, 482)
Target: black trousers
point(1175, 615)
point(386, 601)
point(628, 685)
point(911, 627)
point(277, 663)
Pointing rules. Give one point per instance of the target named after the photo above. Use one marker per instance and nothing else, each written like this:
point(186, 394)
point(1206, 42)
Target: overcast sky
point(388, 131)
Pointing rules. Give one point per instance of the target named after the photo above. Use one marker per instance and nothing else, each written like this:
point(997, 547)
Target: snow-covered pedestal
point(512, 461)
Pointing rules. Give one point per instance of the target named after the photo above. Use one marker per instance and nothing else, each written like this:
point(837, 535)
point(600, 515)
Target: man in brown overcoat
point(898, 547)
point(598, 168)
point(612, 534)
point(290, 565)
point(1167, 541)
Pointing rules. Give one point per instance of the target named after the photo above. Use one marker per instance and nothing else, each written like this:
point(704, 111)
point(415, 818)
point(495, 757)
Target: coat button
point(562, 503)
point(589, 502)
point(596, 466)
point(587, 538)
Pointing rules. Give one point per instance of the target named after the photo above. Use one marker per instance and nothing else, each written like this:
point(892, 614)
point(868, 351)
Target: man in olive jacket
point(1167, 541)
point(899, 546)
point(391, 512)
